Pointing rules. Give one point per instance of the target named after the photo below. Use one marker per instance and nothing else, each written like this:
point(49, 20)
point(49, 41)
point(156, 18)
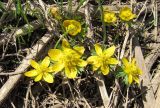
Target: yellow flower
point(109, 16)
point(73, 27)
point(68, 59)
point(55, 12)
point(131, 70)
point(41, 71)
point(103, 59)
point(126, 14)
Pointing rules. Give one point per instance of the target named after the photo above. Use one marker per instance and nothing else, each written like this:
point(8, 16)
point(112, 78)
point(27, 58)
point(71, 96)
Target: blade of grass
point(2, 6)
point(103, 23)
point(18, 7)
point(79, 5)
point(20, 12)
point(69, 5)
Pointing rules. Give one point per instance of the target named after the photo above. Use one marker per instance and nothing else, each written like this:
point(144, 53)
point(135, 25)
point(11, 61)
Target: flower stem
point(61, 37)
point(103, 23)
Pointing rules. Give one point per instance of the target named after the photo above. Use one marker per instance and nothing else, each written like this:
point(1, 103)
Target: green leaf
point(18, 7)
point(120, 72)
point(2, 6)
point(80, 70)
point(126, 80)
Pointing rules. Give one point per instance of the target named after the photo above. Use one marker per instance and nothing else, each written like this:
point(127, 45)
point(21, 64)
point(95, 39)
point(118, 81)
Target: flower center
point(109, 17)
point(43, 70)
point(70, 60)
point(126, 14)
point(71, 27)
point(104, 60)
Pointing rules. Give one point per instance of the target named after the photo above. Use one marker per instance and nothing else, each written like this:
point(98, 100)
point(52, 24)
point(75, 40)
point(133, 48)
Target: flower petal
point(79, 49)
point(136, 79)
point(48, 78)
point(55, 13)
point(50, 69)
point(105, 69)
point(77, 24)
point(73, 27)
point(133, 16)
point(66, 23)
point(109, 17)
point(72, 30)
point(94, 60)
point(110, 51)
point(133, 61)
point(139, 71)
point(55, 54)
point(130, 79)
point(98, 49)
point(71, 72)
point(58, 66)
point(95, 67)
point(45, 63)
point(125, 62)
point(113, 61)
point(73, 53)
point(81, 63)
point(38, 78)
point(31, 73)
point(34, 64)
point(65, 44)
point(126, 14)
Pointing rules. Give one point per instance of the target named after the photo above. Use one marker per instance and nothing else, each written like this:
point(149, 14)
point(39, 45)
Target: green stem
point(70, 6)
point(103, 23)
point(60, 39)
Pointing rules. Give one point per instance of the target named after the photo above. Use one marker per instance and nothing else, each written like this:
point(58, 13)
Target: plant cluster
point(69, 60)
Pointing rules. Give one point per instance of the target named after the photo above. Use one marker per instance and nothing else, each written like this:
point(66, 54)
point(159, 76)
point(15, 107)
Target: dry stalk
point(27, 95)
point(150, 60)
point(150, 99)
point(7, 8)
point(76, 88)
point(10, 73)
point(126, 104)
point(155, 14)
point(103, 91)
point(142, 9)
point(124, 43)
point(88, 21)
point(6, 46)
point(155, 80)
point(152, 57)
point(73, 97)
point(33, 99)
point(157, 103)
